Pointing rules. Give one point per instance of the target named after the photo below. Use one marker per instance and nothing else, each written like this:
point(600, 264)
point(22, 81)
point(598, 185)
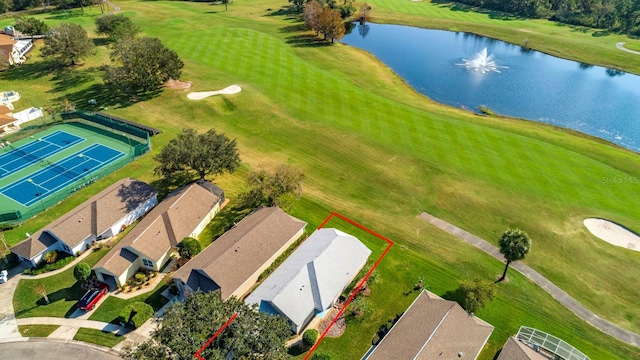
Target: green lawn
point(37, 330)
point(98, 337)
point(62, 289)
point(378, 152)
point(632, 46)
point(109, 310)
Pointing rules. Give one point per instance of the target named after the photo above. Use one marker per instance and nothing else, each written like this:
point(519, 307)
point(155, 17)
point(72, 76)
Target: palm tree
point(514, 245)
point(41, 290)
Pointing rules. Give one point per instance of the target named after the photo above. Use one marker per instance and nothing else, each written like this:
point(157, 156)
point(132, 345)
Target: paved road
point(557, 293)
point(53, 350)
point(620, 46)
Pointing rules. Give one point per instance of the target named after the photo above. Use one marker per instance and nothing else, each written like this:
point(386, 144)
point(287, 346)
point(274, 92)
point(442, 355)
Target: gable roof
point(165, 226)
point(313, 276)
point(514, 349)
point(92, 217)
point(434, 328)
point(236, 255)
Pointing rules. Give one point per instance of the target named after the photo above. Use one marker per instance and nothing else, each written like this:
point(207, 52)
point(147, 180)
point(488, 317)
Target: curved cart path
point(620, 46)
point(557, 293)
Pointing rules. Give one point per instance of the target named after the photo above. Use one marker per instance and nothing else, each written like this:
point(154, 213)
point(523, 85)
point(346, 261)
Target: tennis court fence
point(115, 127)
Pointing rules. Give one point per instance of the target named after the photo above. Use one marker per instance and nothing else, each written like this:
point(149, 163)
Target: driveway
point(53, 350)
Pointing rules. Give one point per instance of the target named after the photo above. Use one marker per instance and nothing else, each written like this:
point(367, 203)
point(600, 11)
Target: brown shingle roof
point(167, 224)
point(433, 328)
point(236, 255)
point(109, 205)
point(6, 40)
point(516, 350)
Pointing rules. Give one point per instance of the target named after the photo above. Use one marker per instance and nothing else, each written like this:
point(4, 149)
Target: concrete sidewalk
point(557, 293)
point(78, 323)
point(8, 325)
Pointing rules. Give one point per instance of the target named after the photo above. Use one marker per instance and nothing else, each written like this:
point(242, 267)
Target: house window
point(147, 262)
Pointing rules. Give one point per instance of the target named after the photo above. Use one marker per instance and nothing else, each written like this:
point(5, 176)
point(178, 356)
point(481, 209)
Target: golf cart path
point(557, 293)
point(620, 46)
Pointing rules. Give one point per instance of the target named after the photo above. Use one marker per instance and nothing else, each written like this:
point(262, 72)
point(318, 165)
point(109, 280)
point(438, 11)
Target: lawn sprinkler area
point(229, 90)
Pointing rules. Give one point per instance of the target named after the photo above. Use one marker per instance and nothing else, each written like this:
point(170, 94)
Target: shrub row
point(50, 267)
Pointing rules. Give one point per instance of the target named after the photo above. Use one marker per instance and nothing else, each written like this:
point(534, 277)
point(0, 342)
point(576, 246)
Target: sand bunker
point(233, 89)
point(177, 84)
point(613, 233)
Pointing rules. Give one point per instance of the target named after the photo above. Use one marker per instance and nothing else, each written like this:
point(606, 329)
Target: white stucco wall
point(205, 221)
point(131, 217)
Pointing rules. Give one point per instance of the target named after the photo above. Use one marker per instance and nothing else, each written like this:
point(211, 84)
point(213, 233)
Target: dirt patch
point(177, 84)
point(338, 327)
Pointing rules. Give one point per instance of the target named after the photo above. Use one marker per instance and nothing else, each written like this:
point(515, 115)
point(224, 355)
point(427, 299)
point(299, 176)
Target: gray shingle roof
point(236, 255)
point(434, 328)
point(173, 219)
point(92, 217)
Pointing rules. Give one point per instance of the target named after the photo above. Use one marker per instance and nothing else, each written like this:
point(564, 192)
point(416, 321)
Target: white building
point(102, 216)
point(312, 278)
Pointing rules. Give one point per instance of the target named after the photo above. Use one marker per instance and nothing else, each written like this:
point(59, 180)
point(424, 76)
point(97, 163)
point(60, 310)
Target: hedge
point(141, 313)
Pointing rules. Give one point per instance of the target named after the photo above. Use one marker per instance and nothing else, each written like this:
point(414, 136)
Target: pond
point(528, 84)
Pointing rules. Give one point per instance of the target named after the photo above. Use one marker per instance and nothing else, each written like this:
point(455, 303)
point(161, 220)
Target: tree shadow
point(293, 28)
point(101, 41)
point(105, 97)
point(68, 78)
point(290, 11)
point(306, 40)
point(454, 295)
point(228, 217)
point(64, 15)
point(601, 33)
point(29, 71)
point(166, 185)
point(493, 14)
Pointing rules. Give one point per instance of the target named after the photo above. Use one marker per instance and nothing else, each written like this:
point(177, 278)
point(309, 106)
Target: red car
point(91, 298)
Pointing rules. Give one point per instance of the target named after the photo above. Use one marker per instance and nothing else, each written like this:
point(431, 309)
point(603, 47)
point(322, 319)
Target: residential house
point(12, 50)
point(183, 213)
point(533, 344)
point(433, 328)
point(102, 216)
point(233, 262)
point(311, 279)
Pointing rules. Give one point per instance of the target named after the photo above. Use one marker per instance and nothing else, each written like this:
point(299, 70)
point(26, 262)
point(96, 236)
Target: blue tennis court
point(55, 176)
point(37, 150)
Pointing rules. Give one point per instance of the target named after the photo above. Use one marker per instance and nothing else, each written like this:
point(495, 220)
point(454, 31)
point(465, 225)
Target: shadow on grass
point(73, 293)
point(29, 71)
point(454, 295)
point(100, 41)
point(68, 78)
point(601, 33)
point(296, 349)
point(105, 97)
point(307, 40)
point(64, 15)
point(493, 14)
point(289, 11)
point(166, 185)
point(293, 28)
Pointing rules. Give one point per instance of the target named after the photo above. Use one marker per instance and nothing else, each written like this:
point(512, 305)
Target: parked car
point(4, 276)
point(91, 297)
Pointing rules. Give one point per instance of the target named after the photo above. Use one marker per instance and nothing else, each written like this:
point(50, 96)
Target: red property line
point(357, 289)
point(197, 354)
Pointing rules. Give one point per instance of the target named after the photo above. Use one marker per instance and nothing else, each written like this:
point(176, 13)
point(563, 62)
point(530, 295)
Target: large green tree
point(476, 294)
point(186, 326)
point(31, 26)
point(82, 271)
point(514, 245)
point(116, 26)
point(142, 65)
point(67, 44)
point(276, 187)
point(210, 153)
